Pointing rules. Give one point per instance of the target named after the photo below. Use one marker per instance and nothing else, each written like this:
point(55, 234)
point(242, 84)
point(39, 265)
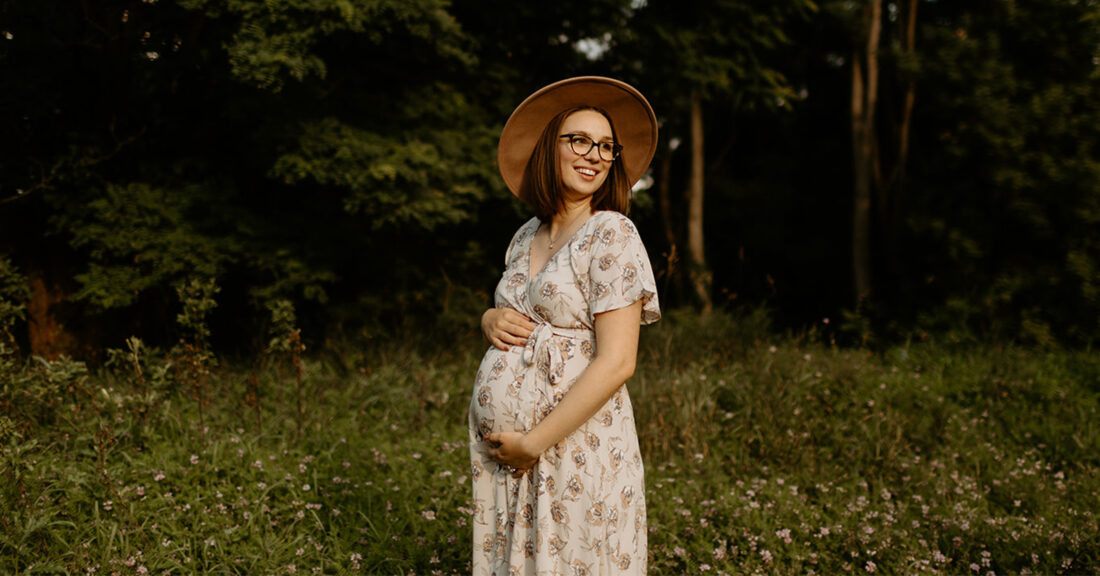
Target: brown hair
point(542, 185)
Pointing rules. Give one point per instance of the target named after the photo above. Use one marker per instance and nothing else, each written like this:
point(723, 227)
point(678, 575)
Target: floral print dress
point(580, 511)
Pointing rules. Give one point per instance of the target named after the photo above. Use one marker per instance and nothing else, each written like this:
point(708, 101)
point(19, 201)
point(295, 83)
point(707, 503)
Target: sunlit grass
point(764, 455)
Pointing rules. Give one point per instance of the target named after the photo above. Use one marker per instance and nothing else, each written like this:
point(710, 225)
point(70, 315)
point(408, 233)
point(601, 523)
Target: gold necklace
point(563, 230)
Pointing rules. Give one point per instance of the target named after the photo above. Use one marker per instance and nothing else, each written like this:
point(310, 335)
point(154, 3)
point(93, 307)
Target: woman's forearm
point(599, 382)
point(616, 353)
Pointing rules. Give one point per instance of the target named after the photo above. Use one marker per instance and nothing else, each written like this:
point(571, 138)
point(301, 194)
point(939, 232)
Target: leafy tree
point(691, 55)
point(243, 140)
point(339, 156)
point(1007, 189)
point(278, 42)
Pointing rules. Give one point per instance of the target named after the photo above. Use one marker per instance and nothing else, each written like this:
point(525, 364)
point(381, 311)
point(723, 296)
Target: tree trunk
point(891, 189)
point(892, 193)
point(864, 99)
point(910, 94)
point(46, 332)
point(701, 277)
point(672, 257)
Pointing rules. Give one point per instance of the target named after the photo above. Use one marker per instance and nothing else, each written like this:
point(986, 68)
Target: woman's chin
point(586, 191)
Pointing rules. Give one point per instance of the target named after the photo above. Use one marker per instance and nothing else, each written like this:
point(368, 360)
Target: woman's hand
point(508, 449)
point(506, 327)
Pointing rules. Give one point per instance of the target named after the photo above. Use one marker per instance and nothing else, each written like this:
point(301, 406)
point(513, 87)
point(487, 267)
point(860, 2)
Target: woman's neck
point(571, 213)
point(563, 223)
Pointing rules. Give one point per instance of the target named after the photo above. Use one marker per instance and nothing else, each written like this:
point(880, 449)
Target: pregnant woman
point(558, 486)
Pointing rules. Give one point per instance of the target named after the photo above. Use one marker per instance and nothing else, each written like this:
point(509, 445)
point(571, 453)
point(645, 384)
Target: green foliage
point(34, 391)
point(340, 155)
point(1020, 231)
point(277, 41)
point(790, 458)
point(723, 49)
point(193, 357)
point(13, 292)
point(29, 391)
point(285, 275)
point(763, 455)
point(417, 180)
point(34, 397)
point(146, 368)
point(721, 60)
point(147, 193)
point(140, 237)
point(197, 297)
point(283, 326)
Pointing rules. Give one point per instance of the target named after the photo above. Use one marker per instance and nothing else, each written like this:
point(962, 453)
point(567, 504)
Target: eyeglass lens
point(582, 145)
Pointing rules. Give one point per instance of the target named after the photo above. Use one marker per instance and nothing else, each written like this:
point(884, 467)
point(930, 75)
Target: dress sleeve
point(521, 234)
point(619, 272)
point(514, 274)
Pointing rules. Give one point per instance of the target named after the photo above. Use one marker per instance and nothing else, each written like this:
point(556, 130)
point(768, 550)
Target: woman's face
point(583, 175)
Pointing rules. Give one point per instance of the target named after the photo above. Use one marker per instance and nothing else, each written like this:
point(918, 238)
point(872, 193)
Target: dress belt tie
point(534, 392)
point(541, 335)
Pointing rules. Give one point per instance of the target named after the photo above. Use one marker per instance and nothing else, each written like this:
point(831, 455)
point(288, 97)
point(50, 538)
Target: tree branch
point(46, 179)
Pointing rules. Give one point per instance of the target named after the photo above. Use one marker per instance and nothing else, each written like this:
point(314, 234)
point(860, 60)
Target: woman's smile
point(588, 173)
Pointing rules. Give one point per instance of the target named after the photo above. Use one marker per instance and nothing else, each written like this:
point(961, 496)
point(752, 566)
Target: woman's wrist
point(529, 444)
point(486, 321)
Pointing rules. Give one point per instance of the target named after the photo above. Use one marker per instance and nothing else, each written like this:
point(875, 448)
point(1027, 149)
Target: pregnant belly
point(500, 401)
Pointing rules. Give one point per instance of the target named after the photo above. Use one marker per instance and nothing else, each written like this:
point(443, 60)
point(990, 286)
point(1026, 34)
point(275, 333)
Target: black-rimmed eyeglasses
point(582, 145)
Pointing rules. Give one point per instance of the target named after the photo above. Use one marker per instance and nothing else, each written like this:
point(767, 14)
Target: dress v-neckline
point(531, 248)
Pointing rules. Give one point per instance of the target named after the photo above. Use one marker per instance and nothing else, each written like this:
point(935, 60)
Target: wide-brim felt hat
point(632, 116)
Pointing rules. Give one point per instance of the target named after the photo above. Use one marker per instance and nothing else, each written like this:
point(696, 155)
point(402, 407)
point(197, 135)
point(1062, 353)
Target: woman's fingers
point(519, 331)
point(513, 339)
point(513, 322)
point(505, 342)
point(506, 327)
point(509, 335)
point(494, 451)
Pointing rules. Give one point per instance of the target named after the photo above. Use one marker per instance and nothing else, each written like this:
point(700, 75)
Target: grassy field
point(764, 455)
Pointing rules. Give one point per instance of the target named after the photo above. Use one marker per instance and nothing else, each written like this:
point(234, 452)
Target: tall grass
point(789, 456)
point(764, 454)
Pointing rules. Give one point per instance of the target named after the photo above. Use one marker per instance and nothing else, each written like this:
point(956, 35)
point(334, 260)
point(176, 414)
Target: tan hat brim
point(633, 118)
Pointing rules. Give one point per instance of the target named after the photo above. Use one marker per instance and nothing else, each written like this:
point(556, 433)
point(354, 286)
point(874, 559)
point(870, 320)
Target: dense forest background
point(873, 169)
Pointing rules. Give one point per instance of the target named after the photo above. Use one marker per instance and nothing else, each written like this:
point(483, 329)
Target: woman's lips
point(585, 172)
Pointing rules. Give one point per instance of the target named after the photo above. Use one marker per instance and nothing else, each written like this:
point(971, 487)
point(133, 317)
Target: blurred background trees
point(339, 156)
